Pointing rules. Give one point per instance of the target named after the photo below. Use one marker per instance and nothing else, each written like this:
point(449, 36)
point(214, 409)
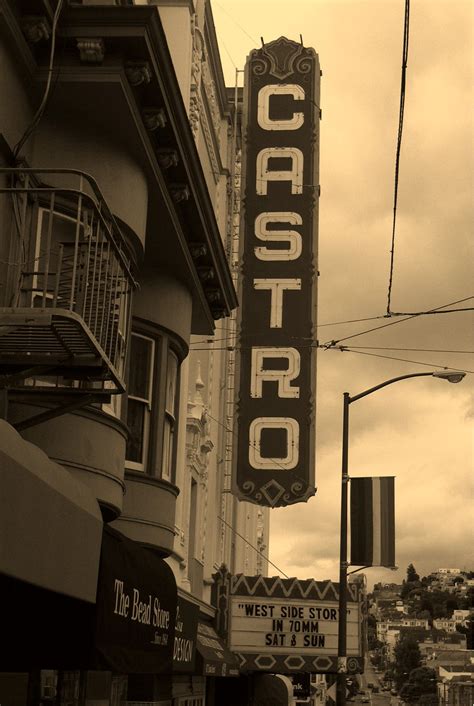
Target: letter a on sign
point(274, 460)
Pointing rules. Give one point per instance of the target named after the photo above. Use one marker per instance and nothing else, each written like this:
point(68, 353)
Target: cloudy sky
point(418, 430)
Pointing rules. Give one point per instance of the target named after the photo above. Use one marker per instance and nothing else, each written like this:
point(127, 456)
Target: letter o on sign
point(284, 463)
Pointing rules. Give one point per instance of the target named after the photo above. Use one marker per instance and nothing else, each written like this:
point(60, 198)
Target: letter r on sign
point(260, 374)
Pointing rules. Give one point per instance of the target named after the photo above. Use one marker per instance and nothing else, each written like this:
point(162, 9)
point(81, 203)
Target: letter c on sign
point(283, 463)
point(263, 107)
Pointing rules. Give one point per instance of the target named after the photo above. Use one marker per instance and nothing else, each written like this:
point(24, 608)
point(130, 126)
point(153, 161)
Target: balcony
point(68, 286)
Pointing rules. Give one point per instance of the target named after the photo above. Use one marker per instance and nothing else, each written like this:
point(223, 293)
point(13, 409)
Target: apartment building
point(117, 151)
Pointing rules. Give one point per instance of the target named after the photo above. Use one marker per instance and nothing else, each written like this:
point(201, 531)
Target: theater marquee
point(288, 626)
point(276, 369)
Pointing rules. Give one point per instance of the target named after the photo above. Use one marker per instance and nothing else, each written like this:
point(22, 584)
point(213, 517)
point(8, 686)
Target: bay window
point(170, 415)
point(153, 385)
point(140, 386)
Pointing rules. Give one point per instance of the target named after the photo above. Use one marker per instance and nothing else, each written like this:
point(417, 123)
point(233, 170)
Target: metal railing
point(68, 255)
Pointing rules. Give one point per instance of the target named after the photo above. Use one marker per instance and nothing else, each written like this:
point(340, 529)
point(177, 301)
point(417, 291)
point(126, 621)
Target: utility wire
point(418, 350)
point(344, 349)
point(251, 545)
point(399, 144)
point(393, 323)
point(230, 57)
point(408, 314)
point(234, 433)
point(39, 113)
point(355, 349)
point(350, 321)
point(236, 23)
point(445, 311)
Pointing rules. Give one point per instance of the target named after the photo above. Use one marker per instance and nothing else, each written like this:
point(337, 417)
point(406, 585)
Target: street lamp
point(453, 377)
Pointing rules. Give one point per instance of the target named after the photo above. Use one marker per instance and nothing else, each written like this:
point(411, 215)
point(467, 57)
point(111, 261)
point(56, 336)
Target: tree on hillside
point(422, 681)
point(451, 605)
point(407, 658)
point(428, 700)
point(411, 574)
point(424, 614)
point(426, 604)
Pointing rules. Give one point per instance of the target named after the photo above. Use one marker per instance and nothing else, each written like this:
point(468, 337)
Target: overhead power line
point(345, 349)
point(419, 350)
point(236, 23)
point(251, 545)
point(330, 344)
point(399, 144)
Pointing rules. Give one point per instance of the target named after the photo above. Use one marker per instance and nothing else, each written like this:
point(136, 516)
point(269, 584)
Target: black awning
point(50, 522)
point(214, 658)
point(136, 608)
point(130, 630)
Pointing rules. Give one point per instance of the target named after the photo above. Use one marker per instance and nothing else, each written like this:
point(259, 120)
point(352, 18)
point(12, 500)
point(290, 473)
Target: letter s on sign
point(263, 106)
point(292, 237)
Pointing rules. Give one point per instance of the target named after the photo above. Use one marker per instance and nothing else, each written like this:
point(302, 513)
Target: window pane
point(167, 450)
point(171, 381)
point(140, 367)
point(136, 413)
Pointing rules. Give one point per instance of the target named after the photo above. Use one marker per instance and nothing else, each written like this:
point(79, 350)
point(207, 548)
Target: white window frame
point(169, 419)
point(135, 465)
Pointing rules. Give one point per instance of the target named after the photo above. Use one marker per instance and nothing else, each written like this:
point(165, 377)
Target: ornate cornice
point(35, 28)
point(91, 51)
point(281, 58)
point(138, 72)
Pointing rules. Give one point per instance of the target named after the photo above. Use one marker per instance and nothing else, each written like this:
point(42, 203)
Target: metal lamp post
point(453, 377)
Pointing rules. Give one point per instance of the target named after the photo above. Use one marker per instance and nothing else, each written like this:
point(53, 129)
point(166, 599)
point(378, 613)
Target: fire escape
point(64, 323)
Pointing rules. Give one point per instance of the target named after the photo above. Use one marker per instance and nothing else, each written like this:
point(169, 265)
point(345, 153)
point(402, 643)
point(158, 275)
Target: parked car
point(393, 691)
point(375, 689)
point(370, 685)
point(365, 698)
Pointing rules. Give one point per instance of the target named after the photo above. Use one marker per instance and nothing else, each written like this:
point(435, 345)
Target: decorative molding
point(210, 92)
point(138, 72)
point(206, 273)
point(213, 295)
point(179, 192)
point(195, 105)
point(210, 145)
point(194, 111)
point(198, 250)
point(218, 312)
point(91, 50)
point(281, 58)
point(167, 158)
point(202, 83)
point(36, 28)
point(154, 118)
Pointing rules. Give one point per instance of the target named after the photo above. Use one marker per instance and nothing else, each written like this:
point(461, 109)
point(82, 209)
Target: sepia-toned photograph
point(237, 352)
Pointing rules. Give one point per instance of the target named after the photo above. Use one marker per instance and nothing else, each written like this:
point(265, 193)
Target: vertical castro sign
point(276, 369)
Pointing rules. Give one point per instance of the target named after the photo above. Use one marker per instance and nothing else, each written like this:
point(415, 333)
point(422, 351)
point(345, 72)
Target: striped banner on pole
point(373, 521)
